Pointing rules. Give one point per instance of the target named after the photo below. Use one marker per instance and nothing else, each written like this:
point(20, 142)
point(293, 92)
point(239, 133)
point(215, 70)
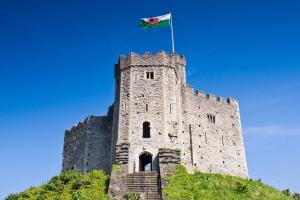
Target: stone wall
point(117, 182)
point(87, 146)
point(217, 146)
point(74, 148)
point(168, 159)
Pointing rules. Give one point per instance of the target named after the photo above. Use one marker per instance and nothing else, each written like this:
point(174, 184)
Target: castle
point(156, 122)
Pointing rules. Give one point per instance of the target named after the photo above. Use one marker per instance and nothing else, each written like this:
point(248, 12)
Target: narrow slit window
point(146, 107)
point(135, 77)
point(223, 140)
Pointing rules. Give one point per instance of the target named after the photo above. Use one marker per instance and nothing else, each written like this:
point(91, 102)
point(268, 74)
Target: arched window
point(146, 130)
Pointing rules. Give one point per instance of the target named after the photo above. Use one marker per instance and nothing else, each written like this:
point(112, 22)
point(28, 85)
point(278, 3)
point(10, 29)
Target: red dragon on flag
point(153, 20)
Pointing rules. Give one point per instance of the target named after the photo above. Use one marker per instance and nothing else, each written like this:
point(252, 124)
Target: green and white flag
point(156, 22)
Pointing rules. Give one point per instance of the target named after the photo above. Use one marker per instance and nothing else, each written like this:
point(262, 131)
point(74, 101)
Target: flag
point(156, 22)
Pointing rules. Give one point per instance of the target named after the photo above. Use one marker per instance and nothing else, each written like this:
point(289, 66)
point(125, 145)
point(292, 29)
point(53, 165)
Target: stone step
point(143, 174)
point(142, 182)
point(153, 197)
point(139, 187)
point(141, 190)
point(145, 183)
point(142, 178)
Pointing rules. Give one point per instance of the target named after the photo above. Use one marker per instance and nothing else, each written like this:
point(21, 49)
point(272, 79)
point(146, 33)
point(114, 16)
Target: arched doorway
point(145, 160)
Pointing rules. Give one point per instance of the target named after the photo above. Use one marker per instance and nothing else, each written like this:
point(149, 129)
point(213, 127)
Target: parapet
point(148, 59)
point(212, 97)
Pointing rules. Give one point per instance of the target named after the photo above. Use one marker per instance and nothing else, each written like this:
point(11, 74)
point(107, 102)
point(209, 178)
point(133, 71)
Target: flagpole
point(172, 34)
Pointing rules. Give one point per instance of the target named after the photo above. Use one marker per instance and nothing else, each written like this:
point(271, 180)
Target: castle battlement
point(213, 97)
point(148, 59)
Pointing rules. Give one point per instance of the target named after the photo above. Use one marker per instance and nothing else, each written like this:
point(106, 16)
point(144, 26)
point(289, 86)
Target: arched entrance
point(145, 160)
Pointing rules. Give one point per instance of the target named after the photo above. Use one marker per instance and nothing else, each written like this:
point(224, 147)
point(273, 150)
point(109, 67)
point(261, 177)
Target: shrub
point(287, 192)
point(296, 196)
point(69, 185)
point(131, 196)
point(116, 167)
point(12, 197)
point(241, 188)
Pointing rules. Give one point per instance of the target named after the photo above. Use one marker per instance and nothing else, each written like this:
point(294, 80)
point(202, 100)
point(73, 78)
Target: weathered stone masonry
point(87, 146)
point(157, 121)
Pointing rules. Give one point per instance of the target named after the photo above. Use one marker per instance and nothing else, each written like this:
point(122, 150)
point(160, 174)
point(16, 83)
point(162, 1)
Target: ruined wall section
point(217, 146)
point(87, 146)
point(74, 148)
point(98, 141)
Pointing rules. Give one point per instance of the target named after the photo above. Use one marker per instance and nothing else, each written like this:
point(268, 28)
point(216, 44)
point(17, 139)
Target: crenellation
point(232, 101)
point(147, 59)
point(211, 96)
point(200, 94)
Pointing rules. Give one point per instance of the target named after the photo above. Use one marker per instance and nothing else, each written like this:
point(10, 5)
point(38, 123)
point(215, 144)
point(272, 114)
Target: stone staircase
point(146, 184)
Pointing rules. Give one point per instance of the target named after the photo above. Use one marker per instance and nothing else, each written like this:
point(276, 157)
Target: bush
point(241, 188)
point(116, 167)
point(296, 196)
point(68, 185)
point(12, 197)
point(131, 196)
point(287, 192)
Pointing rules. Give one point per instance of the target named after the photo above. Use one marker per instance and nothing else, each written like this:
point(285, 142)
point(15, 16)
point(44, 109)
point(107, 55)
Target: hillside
point(93, 185)
point(68, 185)
point(217, 187)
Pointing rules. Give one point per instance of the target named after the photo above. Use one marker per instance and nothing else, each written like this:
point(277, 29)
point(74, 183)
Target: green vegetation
point(200, 186)
point(72, 185)
point(68, 185)
point(131, 196)
point(116, 167)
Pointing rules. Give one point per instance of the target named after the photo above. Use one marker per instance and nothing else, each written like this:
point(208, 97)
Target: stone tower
point(157, 121)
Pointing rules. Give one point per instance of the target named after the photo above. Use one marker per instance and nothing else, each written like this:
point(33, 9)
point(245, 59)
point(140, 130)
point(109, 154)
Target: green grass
point(68, 185)
point(72, 185)
point(198, 186)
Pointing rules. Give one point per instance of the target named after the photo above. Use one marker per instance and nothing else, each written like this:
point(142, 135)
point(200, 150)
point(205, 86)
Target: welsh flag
point(156, 22)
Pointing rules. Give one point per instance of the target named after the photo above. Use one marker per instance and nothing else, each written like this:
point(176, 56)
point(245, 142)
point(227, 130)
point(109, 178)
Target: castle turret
point(147, 106)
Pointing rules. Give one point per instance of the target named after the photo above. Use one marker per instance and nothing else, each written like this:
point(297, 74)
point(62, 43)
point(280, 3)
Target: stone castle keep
point(156, 122)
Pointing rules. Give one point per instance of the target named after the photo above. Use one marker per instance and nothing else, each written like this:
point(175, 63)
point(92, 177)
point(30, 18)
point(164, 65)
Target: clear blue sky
point(56, 67)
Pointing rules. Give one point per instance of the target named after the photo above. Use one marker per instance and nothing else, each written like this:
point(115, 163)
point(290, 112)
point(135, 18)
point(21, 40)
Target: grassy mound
point(72, 185)
point(68, 185)
point(217, 187)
